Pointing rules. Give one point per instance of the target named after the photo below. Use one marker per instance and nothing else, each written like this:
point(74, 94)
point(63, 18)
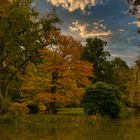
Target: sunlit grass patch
point(70, 111)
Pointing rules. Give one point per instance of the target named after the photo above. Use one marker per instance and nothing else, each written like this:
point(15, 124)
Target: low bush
point(103, 99)
point(33, 108)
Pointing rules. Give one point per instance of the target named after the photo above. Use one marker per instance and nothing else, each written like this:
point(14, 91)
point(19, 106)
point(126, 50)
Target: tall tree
point(62, 76)
point(94, 52)
point(133, 86)
point(120, 73)
point(22, 33)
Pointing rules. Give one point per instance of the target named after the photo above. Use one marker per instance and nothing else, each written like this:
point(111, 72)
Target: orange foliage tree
point(62, 76)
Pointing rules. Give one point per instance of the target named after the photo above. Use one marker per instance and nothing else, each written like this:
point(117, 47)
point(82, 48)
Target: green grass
point(70, 111)
point(69, 124)
point(66, 124)
point(7, 119)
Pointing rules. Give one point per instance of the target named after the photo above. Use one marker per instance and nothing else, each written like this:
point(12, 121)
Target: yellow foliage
point(61, 69)
point(42, 107)
point(18, 109)
point(133, 87)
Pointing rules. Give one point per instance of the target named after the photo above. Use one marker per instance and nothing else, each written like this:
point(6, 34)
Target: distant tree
point(22, 33)
point(133, 85)
point(94, 52)
point(132, 97)
point(116, 72)
point(120, 73)
point(103, 99)
point(119, 63)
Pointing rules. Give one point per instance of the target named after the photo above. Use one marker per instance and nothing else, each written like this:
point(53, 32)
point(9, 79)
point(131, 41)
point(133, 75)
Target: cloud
point(85, 30)
point(122, 56)
point(125, 12)
point(137, 23)
point(122, 30)
point(103, 2)
point(72, 5)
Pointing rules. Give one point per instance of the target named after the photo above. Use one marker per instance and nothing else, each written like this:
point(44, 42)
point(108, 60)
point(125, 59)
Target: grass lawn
point(68, 124)
point(70, 111)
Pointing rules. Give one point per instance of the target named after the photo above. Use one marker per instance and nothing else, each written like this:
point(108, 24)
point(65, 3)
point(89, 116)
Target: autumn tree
point(62, 76)
point(22, 33)
point(4, 2)
point(132, 97)
point(133, 94)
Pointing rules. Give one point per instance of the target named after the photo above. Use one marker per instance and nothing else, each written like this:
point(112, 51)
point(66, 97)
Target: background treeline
point(41, 69)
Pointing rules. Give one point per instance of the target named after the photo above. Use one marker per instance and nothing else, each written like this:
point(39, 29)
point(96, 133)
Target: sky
point(106, 19)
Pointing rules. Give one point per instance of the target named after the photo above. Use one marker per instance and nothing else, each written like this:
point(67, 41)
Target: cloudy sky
point(106, 19)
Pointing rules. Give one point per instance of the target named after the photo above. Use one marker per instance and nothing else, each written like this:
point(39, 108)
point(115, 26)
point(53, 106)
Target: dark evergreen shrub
point(103, 99)
point(33, 108)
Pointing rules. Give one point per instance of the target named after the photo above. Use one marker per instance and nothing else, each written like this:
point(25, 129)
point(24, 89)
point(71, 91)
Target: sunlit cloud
point(72, 5)
point(137, 23)
point(85, 30)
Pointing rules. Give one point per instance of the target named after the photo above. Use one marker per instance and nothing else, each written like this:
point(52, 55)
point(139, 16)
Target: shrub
point(4, 105)
point(18, 108)
point(33, 108)
point(103, 99)
point(15, 96)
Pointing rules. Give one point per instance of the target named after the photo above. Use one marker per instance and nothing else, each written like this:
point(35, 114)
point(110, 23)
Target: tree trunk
point(51, 108)
point(4, 99)
point(52, 105)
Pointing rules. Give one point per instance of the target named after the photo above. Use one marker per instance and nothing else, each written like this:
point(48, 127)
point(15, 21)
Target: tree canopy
point(22, 34)
point(62, 76)
point(94, 52)
point(41, 65)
